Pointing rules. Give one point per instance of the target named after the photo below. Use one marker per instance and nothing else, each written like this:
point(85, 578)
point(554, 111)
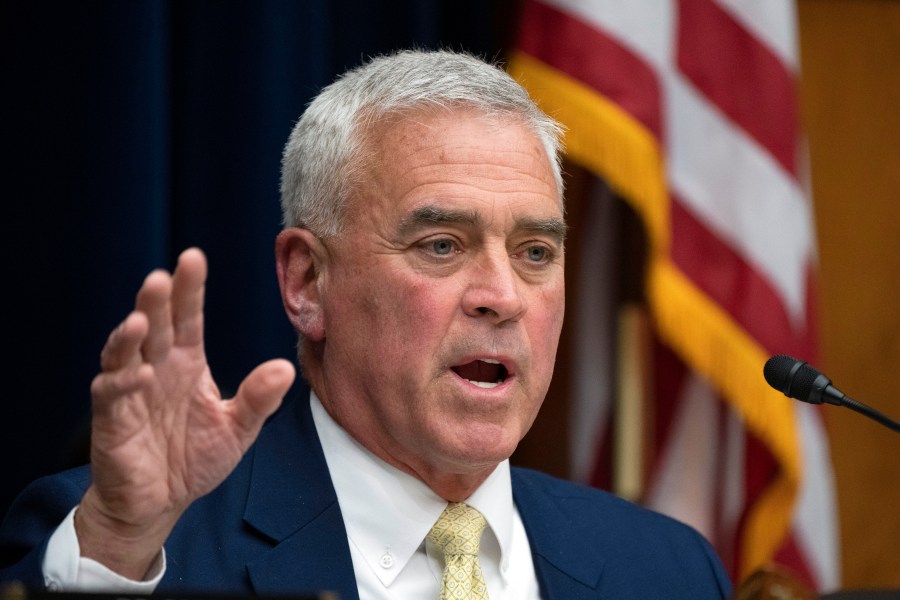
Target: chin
point(485, 447)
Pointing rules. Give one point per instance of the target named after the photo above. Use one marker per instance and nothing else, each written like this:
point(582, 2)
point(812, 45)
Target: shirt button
point(387, 561)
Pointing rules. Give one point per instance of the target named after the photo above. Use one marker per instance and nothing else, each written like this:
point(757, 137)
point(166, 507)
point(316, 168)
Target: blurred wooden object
point(13, 591)
point(633, 399)
point(773, 583)
point(863, 595)
point(850, 53)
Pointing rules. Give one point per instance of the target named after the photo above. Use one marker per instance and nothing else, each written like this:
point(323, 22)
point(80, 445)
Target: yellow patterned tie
point(458, 533)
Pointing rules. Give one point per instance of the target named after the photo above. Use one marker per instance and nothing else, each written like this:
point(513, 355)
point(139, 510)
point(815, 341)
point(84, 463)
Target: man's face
point(444, 296)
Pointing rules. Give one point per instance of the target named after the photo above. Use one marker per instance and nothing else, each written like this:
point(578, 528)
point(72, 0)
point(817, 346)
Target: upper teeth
point(490, 361)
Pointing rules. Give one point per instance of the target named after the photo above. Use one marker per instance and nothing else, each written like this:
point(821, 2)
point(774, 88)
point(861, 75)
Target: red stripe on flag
point(602, 472)
point(760, 470)
point(594, 58)
point(791, 554)
point(737, 287)
point(740, 75)
point(669, 377)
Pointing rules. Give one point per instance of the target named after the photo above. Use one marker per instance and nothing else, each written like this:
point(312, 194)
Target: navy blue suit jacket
point(274, 527)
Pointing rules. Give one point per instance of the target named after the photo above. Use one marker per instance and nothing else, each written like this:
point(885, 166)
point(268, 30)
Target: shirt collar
point(388, 513)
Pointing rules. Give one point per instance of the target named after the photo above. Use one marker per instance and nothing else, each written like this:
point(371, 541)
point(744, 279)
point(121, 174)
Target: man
point(422, 267)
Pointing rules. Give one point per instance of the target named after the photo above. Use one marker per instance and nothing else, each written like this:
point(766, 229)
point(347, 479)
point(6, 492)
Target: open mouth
point(485, 373)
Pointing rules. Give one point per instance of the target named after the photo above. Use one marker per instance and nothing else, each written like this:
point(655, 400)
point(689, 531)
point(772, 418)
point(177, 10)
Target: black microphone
point(801, 381)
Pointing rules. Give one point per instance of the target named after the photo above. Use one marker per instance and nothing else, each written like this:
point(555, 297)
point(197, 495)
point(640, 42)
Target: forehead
point(459, 158)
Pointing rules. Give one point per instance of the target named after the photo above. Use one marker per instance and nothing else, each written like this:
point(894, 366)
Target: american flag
point(688, 110)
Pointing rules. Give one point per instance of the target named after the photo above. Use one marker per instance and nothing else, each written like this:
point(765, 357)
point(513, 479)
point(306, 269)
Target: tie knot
point(458, 530)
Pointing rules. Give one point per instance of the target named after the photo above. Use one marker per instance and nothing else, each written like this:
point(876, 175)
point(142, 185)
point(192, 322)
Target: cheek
point(407, 318)
point(550, 311)
point(545, 329)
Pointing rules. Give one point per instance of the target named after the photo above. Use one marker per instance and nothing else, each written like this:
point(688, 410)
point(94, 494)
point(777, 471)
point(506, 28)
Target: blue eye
point(537, 253)
point(442, 247)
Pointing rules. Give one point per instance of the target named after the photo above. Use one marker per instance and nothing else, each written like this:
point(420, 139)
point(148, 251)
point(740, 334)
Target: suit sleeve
point(32, 519)
point(715, 565)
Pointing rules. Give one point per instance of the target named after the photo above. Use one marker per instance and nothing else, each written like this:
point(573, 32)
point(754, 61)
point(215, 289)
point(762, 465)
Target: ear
point(298, 259)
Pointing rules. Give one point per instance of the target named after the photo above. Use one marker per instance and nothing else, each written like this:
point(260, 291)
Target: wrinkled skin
point(453, 254)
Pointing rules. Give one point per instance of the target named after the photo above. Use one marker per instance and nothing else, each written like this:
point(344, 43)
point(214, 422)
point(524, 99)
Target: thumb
point(260, 394)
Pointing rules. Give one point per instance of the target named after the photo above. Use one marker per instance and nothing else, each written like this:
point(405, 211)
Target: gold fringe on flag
point(611, 143)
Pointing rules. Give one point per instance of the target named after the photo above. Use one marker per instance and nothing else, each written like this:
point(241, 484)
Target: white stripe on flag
point(816, 535)
point(646, 27)
point(684, 484)
point(737, 189)
point(773, 22)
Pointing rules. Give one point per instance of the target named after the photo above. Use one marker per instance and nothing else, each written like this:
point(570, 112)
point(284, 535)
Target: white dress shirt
point(66, 570)
point(388, 515)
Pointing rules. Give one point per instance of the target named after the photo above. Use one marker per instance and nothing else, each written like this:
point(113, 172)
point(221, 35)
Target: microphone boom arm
point(870, 412)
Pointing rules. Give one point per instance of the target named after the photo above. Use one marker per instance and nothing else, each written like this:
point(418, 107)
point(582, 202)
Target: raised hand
point(161, 435)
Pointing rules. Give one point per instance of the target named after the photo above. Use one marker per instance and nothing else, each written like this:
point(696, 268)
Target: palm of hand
point(166, 443)
point(161, 434)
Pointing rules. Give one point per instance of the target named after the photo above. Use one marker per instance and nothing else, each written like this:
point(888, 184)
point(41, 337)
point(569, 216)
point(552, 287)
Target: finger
point(109, 387)
point(260, 394)
point(154, 300)
point(188, 289)
point(123, 347)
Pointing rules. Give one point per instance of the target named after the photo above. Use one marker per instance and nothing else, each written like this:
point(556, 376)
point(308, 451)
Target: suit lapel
point(567, 565)
point(292, 502)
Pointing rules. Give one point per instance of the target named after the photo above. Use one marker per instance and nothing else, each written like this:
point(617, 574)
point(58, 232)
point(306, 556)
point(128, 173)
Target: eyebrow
point(432, 215)
point(427, 216)
point(553, 227)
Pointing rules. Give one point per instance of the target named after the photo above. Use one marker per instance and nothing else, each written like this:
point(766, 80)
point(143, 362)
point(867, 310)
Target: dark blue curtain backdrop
point(133, 130)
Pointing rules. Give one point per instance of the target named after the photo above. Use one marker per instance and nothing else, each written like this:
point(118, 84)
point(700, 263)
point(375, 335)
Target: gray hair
point(322, 159)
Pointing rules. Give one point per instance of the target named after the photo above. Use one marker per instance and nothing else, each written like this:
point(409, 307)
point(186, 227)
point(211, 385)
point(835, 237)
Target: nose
point(495, 290)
